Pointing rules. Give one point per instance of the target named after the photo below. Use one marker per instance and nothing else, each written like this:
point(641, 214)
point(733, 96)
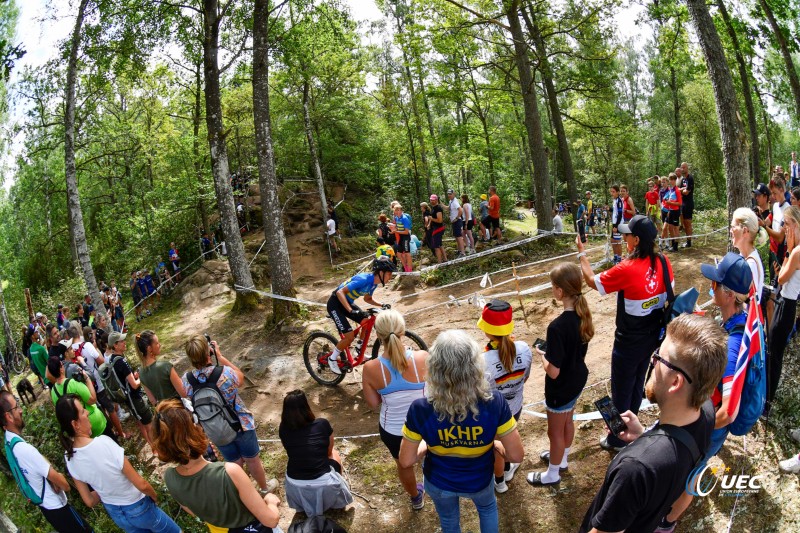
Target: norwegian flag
point(752, 345)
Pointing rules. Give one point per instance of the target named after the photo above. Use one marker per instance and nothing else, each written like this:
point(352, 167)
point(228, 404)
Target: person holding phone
point(508, 363)
point(563, 360)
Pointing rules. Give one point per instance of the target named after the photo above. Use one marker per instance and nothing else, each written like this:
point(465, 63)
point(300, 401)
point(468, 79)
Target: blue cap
point(732, 272)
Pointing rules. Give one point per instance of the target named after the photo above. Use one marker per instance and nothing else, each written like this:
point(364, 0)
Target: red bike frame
point(366, 326)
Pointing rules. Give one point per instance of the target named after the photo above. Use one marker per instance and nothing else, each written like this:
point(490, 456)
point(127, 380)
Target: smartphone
point(582, 230)
point(610, 415)
point(541, 344)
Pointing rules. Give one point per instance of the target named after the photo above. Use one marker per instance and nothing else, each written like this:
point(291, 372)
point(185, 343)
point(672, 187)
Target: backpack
point(754, 392)
point(218, 418)
point(111, 381)
point(64, 389)
point(22, 482)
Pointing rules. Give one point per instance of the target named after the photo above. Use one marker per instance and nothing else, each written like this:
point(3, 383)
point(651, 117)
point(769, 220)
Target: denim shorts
point(566, 408)
point(143, 516)
point(244, 446)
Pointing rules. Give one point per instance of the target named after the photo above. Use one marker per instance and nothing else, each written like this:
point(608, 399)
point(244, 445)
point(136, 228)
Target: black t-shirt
point(426, 213)
point(307, 449)
point(566, 352)
point(383, 227)
point(434, 210)
point(123, 370)
point(688, 184)
point(644, 480)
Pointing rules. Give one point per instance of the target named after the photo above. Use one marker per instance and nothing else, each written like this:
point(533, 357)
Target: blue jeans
point(143, 516)
point(447, 506)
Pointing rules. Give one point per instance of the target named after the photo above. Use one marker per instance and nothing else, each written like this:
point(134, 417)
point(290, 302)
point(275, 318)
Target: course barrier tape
point(594, 415)
point(265, 294)
point(694, 236)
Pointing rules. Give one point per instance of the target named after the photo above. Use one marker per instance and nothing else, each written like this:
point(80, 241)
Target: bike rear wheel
point(316, 351)
point(18, 363)
point(416, 343)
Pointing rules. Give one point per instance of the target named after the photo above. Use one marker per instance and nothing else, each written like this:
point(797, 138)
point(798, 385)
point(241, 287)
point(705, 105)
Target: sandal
point(535, 479)
point(545, 456)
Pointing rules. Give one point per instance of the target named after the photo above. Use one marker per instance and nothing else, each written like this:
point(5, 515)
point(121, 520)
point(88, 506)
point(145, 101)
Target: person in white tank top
point(392, 382)
point(508, 367)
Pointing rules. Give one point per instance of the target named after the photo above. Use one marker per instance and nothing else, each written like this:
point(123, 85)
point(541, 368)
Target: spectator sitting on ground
point(40, 476)
point(314, 481)
point(102, 473)
point(244, 448)
point(460, 419)
point(392, 381)
point(644, 479)
point(220, 494)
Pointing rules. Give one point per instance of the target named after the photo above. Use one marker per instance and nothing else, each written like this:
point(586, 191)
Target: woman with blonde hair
point(391, 382)
point(462, 420)
point(220, 494)
point(564, 363)
point(744, 230)
point(786, 307)
point(508, 365)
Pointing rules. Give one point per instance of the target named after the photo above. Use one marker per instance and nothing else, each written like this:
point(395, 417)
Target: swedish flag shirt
point(460, 455)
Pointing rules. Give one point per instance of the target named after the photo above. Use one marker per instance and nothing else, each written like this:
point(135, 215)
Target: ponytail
point(507, 351)
point(585, 314)
point(66, 414)
point(390, 327)
point(143, 341)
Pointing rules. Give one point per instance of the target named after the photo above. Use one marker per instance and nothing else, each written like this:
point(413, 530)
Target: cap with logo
point(115, 337)
point(761, 188)
point(732, 272)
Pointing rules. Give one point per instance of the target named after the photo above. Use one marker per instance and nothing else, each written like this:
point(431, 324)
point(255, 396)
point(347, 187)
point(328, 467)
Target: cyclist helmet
point(383, 264)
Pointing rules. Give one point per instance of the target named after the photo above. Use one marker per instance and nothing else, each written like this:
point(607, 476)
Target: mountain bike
point(320, 344)
point(16, 361)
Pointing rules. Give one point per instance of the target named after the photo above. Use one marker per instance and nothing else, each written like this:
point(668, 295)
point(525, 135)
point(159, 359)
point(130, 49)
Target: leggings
point(779, 331)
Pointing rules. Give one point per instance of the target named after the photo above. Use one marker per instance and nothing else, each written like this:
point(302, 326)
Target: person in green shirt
point(84, 390)
point(39, 355)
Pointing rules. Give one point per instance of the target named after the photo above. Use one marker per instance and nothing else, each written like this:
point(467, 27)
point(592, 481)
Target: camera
point(210, 346)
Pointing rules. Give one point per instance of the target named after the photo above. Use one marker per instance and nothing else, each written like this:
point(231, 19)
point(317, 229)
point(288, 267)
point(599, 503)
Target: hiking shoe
point(418, 502)
point(666, 526)
point(508, 475)
point(333, 365)
point(501, 487)
point(272, 486)
point(606, 446)
point(791, 465)
point(545, 456)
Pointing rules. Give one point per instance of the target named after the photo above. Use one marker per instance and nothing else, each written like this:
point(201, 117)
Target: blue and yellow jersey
point(358, 286)
point(403, 223)
point(384, 250)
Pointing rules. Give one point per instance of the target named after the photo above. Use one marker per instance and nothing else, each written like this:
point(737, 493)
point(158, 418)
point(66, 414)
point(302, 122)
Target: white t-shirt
point(754, 262)
point(100, 464)
point(454, 205)
point(90, 355)
point(35, 469)
point(777, 214)
point(467, 207)
point(510, 384)
point(331, 227)
point(558, 225)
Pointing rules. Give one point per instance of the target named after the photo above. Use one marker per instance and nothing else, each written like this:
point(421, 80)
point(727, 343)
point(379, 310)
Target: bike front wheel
point(416, 343)
point(317, 349)
point(18, 363)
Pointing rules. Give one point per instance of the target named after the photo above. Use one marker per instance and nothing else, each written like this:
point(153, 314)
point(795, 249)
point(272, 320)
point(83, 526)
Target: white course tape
point(594, 415)
point(695, 236)
point(337, 265)
point(239, 288)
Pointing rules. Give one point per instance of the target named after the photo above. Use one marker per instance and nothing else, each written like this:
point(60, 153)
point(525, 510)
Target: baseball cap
point(115, 337)
point(761, 188)
point(66, 343)
point(641, 226)
point(450, 191)
point(732, 272)
point(483, 197)
point(60, 306)
point(39, 315)
point(434, 197)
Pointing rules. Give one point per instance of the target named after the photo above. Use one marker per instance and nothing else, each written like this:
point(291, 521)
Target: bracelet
point(582, 254)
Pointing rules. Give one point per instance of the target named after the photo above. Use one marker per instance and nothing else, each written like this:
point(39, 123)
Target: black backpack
point(218, 417)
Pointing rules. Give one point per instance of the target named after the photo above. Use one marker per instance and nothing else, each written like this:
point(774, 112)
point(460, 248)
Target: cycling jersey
point(510, 383)
point(402, 223)
point(616, 211)
point(358, 286)
point(673, 194)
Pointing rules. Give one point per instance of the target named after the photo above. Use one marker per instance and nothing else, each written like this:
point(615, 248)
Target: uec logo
point(696, 485)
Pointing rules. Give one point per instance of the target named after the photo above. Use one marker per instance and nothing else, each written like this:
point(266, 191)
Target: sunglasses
point(655, 358)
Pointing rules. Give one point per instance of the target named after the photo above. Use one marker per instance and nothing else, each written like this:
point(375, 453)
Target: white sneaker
point(333, 365)
point(796, 434)
point(509, 475)
point(123, 415)
point(791, 465)
point(500, 488)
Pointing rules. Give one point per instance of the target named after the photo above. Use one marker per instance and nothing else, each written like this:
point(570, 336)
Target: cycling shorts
point(340, 315)
point(673, 217)
point(403, 243)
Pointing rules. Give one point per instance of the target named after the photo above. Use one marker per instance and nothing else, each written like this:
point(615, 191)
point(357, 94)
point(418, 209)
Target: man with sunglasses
point(645, 478)
point(40, 476)
point(730, 282)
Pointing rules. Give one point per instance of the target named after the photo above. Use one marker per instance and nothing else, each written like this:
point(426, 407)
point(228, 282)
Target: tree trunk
point(676, 115)
point(219, 159)
point(767, 134)
point(11, 345)
point(755, 163)
point(312, 149)
point(552, 99)
point(731, 131)
point(533, 123)
point(77, 230)
point(280, 268)
point(429, 116)
point(783, 46)
point(197, 112)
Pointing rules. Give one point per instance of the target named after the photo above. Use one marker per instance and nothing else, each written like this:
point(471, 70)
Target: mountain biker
point(341, 304)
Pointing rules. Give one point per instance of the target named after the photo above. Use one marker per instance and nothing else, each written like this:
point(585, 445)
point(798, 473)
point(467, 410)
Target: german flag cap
point(497, 319)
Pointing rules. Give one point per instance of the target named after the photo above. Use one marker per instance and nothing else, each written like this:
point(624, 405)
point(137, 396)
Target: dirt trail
point(273, 364)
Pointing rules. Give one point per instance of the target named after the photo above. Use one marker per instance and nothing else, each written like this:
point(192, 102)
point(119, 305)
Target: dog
point(24, 388)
